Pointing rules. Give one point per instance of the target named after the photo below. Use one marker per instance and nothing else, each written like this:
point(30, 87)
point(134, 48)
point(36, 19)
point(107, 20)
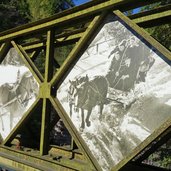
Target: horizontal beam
point(143, 19)
point(71, 32)
point(59, 42)
point(60, 39)
point(150, 12)
point(141, 167)
point(20, 160)
point(154, 19)
point(71, 16)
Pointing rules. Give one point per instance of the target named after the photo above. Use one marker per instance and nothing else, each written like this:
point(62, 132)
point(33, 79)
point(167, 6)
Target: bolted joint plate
point(45, 90)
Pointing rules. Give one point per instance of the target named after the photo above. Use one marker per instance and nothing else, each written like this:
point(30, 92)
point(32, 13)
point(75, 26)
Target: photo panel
point(18, 91)
point(118, 92)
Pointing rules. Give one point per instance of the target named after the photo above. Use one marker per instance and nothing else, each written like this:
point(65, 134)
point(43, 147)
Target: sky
point(79, 2)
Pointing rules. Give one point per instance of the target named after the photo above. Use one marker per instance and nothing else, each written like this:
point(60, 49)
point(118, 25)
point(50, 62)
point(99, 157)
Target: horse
point(72, 89)
point(14, 97)
point(88, 94)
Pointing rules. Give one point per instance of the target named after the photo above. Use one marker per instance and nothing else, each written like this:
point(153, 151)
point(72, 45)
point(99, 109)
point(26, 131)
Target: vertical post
point(46, 109)
point(49, 55)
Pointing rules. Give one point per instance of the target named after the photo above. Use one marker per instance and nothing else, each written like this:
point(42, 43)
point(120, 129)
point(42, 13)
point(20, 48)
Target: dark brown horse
point(88, 94)
point(72, 90)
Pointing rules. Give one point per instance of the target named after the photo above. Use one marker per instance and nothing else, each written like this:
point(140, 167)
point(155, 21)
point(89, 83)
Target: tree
point(11, 15)
point(44, 8)
point(161, 33)
point(17, 12)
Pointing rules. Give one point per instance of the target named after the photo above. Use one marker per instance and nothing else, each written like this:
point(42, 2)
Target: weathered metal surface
point(154, 19)
point(83, 48)
point(67, 19)
point(58, 158)
point(14, 132)
point(31, 160)
point(38, 76)
point(77, 49)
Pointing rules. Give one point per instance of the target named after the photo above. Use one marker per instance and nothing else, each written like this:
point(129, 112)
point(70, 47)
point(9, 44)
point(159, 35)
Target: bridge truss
point(38, 44)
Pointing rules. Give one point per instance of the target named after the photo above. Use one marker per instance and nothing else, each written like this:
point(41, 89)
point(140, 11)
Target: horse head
point(75, 89)
point(27, 87)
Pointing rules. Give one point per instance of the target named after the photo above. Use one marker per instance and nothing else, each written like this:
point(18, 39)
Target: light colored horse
point(14, 98)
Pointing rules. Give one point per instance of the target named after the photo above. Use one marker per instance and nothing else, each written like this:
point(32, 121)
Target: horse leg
point(11, 121)
point(101, 110)
point(70, 107)
point(82, 117)
point(88, 123)
point(2, 122)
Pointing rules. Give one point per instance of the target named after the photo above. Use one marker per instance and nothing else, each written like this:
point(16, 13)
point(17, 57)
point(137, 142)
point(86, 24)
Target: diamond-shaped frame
point(60, 76)
point(5, 49)
point(46, 93)
point(149, 41)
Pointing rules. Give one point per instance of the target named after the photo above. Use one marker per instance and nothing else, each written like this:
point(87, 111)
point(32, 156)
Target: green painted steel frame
point(47, 98)
point(69, 16)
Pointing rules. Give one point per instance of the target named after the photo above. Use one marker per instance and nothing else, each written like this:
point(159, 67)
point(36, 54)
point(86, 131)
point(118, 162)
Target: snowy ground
point(11, 70)
point(144, 108)
point(123, 128)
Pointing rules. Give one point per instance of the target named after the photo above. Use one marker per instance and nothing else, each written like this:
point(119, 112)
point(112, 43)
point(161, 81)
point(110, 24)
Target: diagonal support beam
point(22, 121)
point(73, 57)
point(77, 138)
point(37, 75)
point(146, 36)
point(78, 48)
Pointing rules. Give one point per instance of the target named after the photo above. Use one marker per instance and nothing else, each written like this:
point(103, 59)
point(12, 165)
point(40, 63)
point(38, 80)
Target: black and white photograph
point(18, 91)
point(117, 93)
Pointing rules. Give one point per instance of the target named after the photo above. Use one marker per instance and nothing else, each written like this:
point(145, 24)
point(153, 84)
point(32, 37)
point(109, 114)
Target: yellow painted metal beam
point(71, 17)
point(154, 19)
point(58, 43)
point(37, 75)
point(25, 117)
point(78, 49)
point(44, 138)
point(30, 161)
point(81, 144)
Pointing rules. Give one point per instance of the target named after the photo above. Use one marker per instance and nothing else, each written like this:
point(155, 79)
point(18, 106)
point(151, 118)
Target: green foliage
point(44, 8)
point(17, 12)
point(161, 33)
point(156, 5)
point(61, 53)
point(11, 15)
point(161, 157)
